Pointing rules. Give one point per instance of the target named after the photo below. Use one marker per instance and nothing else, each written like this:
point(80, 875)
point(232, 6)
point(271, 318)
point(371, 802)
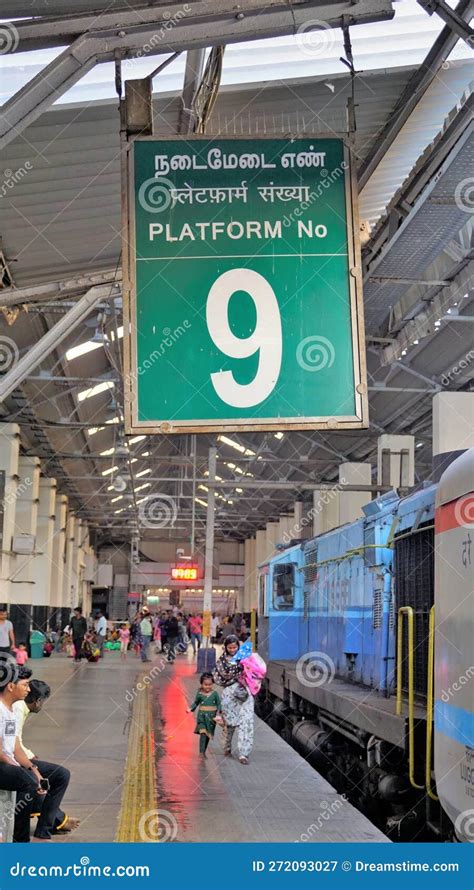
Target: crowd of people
point(172, 632)
point(39, 784)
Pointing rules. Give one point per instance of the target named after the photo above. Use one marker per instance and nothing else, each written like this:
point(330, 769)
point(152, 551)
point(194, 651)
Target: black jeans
point(172, 644)
point(5, 650)
point(77, 643)
point(59, 778)
point(15, 778)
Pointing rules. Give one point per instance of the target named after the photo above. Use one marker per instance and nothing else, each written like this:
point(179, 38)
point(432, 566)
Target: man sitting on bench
point(38, 694)
point(17, 773)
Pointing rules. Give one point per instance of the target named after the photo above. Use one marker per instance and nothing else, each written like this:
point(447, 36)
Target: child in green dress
point(209, 704)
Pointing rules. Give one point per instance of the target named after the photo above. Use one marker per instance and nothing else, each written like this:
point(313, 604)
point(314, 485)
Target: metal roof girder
point(413, 93)
point(254, 20)
point(456, 22)
point(40, 350)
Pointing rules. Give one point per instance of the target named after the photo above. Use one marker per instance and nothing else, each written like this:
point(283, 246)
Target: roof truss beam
point(413, 93)
point(207, 24)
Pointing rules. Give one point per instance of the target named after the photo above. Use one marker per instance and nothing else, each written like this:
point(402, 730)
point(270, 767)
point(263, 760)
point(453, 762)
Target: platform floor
point(85, 725)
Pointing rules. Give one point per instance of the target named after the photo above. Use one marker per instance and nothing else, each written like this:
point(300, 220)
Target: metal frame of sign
point(167, 427)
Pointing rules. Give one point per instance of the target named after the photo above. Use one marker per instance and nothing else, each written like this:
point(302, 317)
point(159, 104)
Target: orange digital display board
point(184, 573)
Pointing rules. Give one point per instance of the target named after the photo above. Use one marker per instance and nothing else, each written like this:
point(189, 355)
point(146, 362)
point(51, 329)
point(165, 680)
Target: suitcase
point(206, 659)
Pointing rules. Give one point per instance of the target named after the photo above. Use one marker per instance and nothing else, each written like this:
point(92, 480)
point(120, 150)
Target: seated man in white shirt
point(57, 775)
point(17, 773)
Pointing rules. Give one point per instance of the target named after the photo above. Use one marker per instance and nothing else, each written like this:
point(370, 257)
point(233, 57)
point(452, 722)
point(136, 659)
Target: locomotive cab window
point(284, 586)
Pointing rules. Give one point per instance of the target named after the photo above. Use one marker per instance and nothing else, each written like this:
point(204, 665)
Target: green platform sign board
point(242, 286)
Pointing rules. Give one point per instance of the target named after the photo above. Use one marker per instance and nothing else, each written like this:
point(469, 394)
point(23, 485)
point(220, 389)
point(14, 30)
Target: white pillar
point(271, 538)
point(252, 601)
point(453, 428)
point(288, 528)
point(351, 502)
point(396, 461)
point(43, 561)
point(68, 585)
point(248, 571)
point(326, 509)
point(261, 554)
point(26, 519)
point(9, 452)
point(77, 563)
point(58, 552)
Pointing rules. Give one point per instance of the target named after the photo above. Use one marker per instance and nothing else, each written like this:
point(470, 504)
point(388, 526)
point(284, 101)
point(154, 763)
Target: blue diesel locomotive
point(347, 626)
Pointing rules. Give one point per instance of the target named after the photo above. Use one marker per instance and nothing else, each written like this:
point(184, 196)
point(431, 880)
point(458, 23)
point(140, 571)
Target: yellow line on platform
point(138, 806)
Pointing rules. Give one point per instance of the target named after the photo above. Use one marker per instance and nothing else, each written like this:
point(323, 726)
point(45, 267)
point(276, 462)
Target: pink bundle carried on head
point(253, 672)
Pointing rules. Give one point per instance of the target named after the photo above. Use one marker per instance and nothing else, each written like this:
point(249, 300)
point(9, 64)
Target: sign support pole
point(209, 557)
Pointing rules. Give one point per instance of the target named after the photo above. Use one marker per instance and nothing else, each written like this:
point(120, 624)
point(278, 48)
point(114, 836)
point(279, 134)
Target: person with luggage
point(237, 702)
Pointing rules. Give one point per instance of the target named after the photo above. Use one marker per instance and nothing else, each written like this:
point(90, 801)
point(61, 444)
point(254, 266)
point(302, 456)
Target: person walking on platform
point(209, 705)
point(79, 630)
point(124, 637)
point(146, 630)
point(237, 703)
point(227, 629)
point(195, 631)
point(100, 631)
point(7, 636)
point(172, 635)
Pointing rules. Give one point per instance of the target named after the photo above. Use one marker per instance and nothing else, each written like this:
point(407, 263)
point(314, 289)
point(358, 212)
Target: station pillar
point(396, 461)
point(271, 538)
point(351, 502)
point(325, 509)
point(68, 586)
point(251, 574)
point(9, 455)
point(57, 560)
point(453, 428)
point(26, 523)
point(43, 560)
point(261, 553)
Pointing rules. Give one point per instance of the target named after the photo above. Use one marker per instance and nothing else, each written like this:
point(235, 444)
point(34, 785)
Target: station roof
point(61, 225)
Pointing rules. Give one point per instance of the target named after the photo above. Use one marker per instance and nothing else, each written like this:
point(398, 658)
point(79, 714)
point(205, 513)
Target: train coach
point(367, 631)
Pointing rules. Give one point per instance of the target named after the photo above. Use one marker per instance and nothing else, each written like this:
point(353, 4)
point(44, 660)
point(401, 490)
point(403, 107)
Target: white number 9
point(266, 338)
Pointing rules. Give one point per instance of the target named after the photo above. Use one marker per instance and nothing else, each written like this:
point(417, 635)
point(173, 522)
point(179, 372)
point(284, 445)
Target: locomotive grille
point(414, 586)
point(377, 609)
point(310, 569)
